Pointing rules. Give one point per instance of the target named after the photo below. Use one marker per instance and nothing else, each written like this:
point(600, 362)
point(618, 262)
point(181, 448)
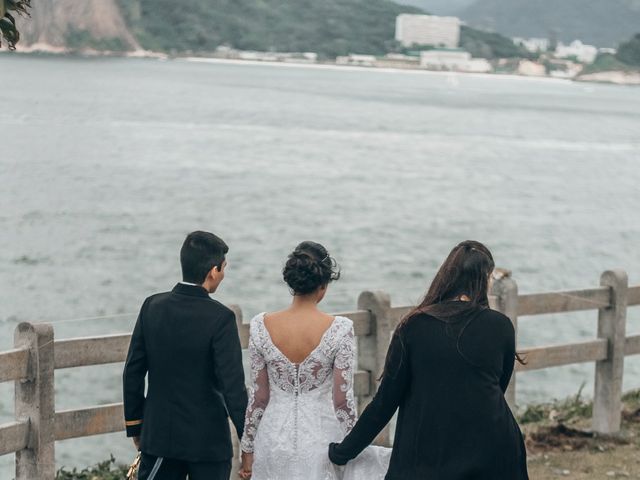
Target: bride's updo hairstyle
point(308, 268)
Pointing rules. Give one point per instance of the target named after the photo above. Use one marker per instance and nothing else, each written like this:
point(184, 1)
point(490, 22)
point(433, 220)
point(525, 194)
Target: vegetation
point(489, 45)
point(603, 23)
point(561, 412)
point(606, 62)
point(560, 442)
point(478, 43)
point(78, 39)
point(107, 470)
point(329, 27)
point(629, 52)
point(8, 29)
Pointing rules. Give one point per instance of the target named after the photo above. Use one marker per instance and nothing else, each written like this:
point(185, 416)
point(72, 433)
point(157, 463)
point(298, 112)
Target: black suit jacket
point(188, 345)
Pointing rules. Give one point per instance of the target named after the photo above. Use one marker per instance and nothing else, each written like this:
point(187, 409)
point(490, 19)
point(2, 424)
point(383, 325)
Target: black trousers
point(168, 469)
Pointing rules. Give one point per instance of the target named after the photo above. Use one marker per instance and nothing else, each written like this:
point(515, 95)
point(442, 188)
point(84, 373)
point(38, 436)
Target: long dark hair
point(465, 272)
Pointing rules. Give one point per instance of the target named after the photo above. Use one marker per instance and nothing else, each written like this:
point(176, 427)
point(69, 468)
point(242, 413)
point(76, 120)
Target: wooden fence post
point(35, 403)
point(372, 348)
point(607, 401)
point(505, 289)
point(243, 333)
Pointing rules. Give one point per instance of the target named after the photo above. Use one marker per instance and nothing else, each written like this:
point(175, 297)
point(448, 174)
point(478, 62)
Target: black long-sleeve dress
point(448, 381)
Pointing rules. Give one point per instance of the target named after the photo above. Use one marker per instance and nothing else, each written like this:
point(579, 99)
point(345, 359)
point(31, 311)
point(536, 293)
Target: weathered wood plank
point(78, 352)
point(398, 313)
point(632, 345)
point(633, 296)
point(362, 383)
point(493, 301)
point(505, 289)
point(361, 321)
point(569, 301)
point(14, 364)
point(372, 348)
point(35, 400)
point(612, 327)
point(13, 437)
point(243, 333)
point(558, 355)
point(89, 421)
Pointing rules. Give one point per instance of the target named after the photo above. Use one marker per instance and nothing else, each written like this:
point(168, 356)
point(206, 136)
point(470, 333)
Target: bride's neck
point(306, 302)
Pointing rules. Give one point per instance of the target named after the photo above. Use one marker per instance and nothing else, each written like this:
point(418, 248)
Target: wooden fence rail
point(31, 364)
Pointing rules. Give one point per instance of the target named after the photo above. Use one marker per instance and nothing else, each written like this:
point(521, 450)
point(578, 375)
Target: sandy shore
point(616, 77)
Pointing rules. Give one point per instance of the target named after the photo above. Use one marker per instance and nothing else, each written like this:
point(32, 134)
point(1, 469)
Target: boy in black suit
point(188, 345)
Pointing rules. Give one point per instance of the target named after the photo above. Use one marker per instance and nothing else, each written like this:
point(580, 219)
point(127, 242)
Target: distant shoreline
point(356, 68)
point(603, 78)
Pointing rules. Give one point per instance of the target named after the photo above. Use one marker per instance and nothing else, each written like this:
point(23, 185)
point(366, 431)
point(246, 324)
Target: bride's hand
point(247, 466)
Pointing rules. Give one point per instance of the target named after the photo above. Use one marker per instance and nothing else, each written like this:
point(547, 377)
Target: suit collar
point(191, 290)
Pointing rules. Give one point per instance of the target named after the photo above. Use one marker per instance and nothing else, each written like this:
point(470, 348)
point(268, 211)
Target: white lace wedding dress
point(296, 409)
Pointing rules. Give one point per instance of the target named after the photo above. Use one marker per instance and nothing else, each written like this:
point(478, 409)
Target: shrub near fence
point(36, 356)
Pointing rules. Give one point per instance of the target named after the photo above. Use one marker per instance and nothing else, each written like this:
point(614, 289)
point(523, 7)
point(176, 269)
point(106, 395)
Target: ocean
point(106, 164)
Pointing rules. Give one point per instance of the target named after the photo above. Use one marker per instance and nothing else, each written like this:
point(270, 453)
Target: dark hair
point(464, 272)
point(309, 267)
point(200, 252)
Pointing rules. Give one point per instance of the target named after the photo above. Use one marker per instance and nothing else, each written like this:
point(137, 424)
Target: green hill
point(329, 27)
point(604, 23)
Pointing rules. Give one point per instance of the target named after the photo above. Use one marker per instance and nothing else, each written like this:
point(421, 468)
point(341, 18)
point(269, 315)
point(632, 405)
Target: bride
point(301, 396)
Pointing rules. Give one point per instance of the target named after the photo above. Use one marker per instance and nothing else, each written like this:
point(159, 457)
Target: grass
point(606, 63)
point(560, 443)
point(107, 470)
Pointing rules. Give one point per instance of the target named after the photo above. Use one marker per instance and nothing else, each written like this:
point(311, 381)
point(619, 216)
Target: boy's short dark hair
point(200, 252)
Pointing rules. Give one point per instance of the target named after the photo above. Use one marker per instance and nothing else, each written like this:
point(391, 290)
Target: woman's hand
point(247, 466)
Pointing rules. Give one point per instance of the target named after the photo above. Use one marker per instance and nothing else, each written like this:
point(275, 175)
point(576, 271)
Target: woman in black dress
point(447, 368)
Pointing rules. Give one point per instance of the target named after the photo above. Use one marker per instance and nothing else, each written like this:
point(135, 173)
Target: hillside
point(329, 27)
point(600, 22)
point(63, 23)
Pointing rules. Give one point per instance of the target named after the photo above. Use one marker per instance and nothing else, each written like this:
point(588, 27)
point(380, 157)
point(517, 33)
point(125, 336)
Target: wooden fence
point(36, 356)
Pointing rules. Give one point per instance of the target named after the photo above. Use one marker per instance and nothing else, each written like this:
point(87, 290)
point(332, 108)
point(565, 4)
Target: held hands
point(247, 466)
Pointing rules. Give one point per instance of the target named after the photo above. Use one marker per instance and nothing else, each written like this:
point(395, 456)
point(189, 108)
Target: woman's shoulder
point(343, 325)
point(414, 320)
point(256, 323)
point(496, 319)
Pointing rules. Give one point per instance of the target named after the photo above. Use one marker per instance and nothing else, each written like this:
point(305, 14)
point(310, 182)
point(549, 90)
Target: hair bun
point(308, 268)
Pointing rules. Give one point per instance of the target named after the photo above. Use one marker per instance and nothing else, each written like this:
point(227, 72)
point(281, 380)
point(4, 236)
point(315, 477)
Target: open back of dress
point(296, 409)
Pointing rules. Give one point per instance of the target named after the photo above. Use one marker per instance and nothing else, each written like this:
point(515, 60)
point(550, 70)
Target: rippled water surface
point(107, 163)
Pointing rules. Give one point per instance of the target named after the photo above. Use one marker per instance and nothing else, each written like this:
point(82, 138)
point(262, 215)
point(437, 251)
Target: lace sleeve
point(258, 396)
point(343, 399)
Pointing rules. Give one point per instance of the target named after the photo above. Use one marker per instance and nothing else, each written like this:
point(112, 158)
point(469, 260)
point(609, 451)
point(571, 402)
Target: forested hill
point(599, 22)
point(329, 27)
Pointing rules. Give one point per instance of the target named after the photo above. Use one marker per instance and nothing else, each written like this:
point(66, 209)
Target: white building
point(357, 60)
point(583, 53)
point(427, 30)
point(453, 59)
point(531, 69)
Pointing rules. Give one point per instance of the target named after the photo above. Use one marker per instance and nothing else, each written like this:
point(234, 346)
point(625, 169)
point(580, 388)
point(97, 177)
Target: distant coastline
point(606, 77)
